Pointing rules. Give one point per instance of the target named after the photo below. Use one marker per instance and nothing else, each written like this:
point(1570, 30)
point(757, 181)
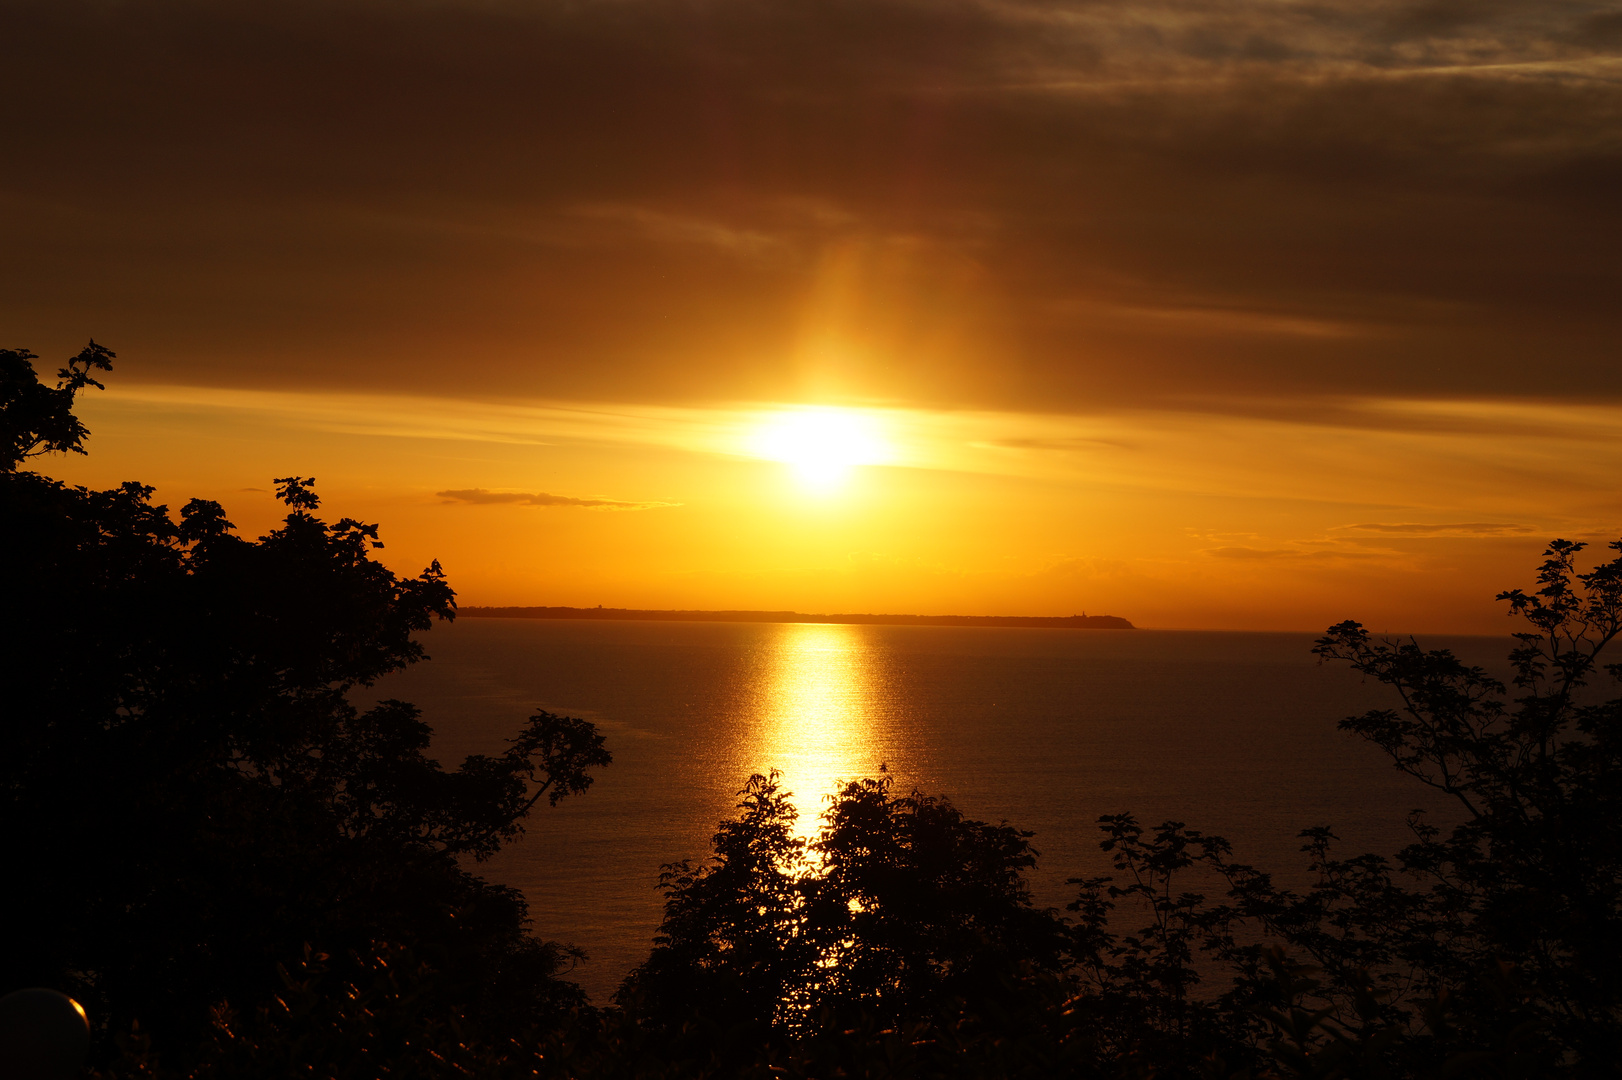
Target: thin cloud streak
point(1253, 553)
point(1179, 517)
point(1513, 468)
point(482, 497)
point(1474, 528)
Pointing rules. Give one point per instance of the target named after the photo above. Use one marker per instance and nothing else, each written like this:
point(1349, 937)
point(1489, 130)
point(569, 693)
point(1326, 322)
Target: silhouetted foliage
point(1140, 990)
point(37, 419)
point(734, 936)
point(899, 906)
point(188, 794)
point(1488, 949)
point(1519, 918)
point(902, 929)
point(914, 906)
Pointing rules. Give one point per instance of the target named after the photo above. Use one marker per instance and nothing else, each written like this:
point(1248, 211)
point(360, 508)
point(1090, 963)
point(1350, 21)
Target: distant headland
point(1063, 622)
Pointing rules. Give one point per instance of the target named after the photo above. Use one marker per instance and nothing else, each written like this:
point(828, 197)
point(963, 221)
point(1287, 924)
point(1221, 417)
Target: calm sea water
point(1232, 733)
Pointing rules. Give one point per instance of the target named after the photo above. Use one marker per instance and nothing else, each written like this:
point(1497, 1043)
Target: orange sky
point(1250, 315)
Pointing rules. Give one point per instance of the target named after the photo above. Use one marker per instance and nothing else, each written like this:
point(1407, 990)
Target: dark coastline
point(1068, 622)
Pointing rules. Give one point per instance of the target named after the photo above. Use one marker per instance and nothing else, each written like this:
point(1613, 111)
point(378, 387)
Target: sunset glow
point(820, 445)
point(1168, 517)
point(819, 717)
point(810, 314)
point(753, 537)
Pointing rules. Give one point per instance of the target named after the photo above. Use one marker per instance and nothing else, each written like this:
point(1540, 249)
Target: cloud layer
point(1007, 204)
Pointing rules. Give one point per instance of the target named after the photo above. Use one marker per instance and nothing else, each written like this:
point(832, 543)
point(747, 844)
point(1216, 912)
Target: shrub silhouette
point(188, 793)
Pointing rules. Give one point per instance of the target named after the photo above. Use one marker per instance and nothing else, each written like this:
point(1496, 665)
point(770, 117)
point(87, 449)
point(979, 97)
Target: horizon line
point(1068, 622)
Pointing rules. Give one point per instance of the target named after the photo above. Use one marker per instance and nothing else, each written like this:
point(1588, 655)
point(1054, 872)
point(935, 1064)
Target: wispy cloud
point(484, 497)
point(1501, 460)
point(662, 227)
point(1466, 528)
point(1255, 553)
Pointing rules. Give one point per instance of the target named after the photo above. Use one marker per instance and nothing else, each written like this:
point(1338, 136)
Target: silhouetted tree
point(1176, 989)
point(734, 934)
point(914, 906)
point(1490, 948)
point(900, 911)
point(188, 794)
point(1510, 934)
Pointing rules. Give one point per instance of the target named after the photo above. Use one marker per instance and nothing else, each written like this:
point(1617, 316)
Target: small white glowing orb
point(821, 444)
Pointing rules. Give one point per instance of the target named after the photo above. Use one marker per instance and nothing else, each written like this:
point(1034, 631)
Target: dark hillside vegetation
point(190, 798)
point(244, 876)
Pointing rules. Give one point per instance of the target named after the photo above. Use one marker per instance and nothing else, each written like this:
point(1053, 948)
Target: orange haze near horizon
point(1169, 519)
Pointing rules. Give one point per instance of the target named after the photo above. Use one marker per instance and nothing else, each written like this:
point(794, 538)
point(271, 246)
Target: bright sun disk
point(821, 445)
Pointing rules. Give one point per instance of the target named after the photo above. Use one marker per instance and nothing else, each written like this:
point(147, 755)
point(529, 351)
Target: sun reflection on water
point(818, 716)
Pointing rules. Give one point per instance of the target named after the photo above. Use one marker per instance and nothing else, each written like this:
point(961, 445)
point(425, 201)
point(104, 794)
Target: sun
point(822, 444)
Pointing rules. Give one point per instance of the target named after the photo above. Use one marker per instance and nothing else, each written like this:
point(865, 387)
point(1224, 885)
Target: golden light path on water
point(818, 711)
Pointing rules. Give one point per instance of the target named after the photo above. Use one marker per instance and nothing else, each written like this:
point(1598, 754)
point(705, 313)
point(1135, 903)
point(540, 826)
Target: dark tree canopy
point(898, 907)
point(915, 905)
point(1529, 885)
point(1490, 948)
point(188, 791)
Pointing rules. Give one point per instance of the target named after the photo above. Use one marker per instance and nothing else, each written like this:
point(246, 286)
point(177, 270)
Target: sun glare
point(822, 445)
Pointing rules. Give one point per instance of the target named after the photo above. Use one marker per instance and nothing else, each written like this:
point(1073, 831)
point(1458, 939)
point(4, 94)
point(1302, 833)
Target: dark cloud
point(482, 497)
point(1025, 204)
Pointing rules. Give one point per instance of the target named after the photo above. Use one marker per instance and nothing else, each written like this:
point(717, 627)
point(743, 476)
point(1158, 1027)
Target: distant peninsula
point(1062, 622)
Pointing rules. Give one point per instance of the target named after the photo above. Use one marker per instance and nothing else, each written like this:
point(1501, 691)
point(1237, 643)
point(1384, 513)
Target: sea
point(1046, 729)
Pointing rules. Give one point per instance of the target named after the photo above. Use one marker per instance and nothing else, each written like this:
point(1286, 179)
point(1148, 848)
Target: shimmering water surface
point(1232, 733)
